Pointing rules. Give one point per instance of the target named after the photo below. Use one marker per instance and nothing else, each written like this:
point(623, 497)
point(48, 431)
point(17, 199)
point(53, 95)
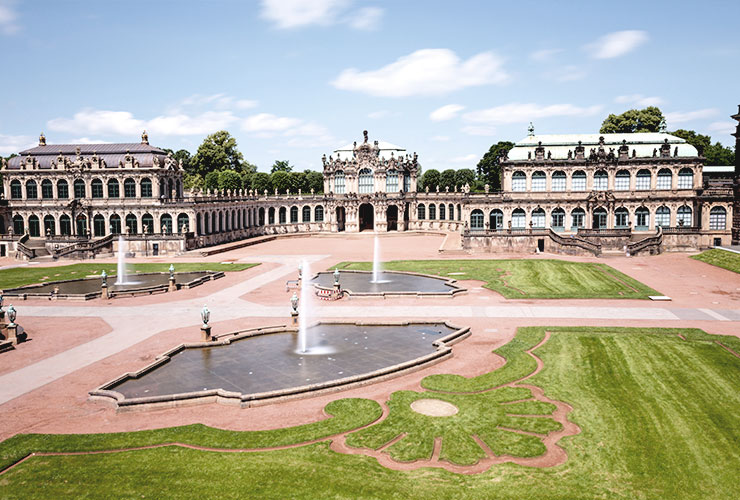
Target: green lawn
point(658, 417)
point(29, 275)
point(720, 258)
point(528, 278)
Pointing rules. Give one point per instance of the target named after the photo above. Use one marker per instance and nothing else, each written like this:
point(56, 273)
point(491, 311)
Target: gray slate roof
point(111, 153)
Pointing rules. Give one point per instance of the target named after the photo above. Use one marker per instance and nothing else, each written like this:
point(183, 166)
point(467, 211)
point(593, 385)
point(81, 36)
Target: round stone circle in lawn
point(434, 408)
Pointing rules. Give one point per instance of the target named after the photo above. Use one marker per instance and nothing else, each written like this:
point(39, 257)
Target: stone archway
point(367, 217)
point(341, 218)
point(391, 217)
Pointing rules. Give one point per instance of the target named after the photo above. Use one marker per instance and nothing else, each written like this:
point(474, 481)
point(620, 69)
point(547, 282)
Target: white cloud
point(639, 100)
point(266, 122)
point(444, 113)
point(8, 17)
point(10, 144)
point(366, 19)
point(724, 128)
point(483, 130)
point(86, 140)
point(424, 72)
point(544, 54)
point(522, 113)
point(104, 122)
point(568, 73)
point(616, 44)
point(375, 115)
point(440, 138)
point(299, 133)
point(290, 14)
point(683, 117)
point(218, 101)
point(464, 158)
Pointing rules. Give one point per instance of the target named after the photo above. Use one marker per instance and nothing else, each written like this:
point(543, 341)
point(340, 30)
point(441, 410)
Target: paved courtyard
point(75, 347)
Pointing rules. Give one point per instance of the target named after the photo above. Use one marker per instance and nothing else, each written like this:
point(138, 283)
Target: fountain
point(121, 273)
point(376, 263)
point(303, 315)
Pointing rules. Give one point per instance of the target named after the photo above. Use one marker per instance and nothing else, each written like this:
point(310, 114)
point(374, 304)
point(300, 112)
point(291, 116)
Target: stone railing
point(21, 247)
point(681, 230)
point(575, 241)
point(651, 244)
point(617, 231)
point(83, 246)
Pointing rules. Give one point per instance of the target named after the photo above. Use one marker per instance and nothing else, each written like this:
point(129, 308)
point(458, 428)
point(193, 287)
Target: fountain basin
point(389, 283)
point(90, 288)
point(259, 366)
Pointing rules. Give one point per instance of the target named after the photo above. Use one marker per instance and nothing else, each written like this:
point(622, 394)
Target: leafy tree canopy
point(464, 176)
point(229, 179)
point(489, 167)
point(447, 179)
point(281, 181)
point(715, 154)
point(211, 180)
point(281, 166)
point(430, 179)
point(218, 152)
point(650, 119)
point(260, 182)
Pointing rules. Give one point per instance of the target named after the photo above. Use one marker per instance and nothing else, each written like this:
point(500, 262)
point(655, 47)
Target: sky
point(295, 79)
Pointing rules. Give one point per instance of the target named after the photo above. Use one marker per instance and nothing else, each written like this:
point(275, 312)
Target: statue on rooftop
point(364, 133)
point(144, 138)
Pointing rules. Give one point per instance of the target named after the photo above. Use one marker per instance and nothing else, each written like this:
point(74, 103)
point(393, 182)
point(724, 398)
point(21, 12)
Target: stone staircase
point(38, 245)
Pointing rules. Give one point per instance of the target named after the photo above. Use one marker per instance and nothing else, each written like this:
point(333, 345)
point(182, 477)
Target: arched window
point(441, 211)
point(684, 216)
point(601, 180)
point(271, 215)
point(518, 219)
point(261, 216)
point(49, 225)
point(165, 223)
point(432, 211)
point(664, 178)
point(99, 222)
point(282, 217)
point(558, 181)
point(599, 221)
point(79, 188)
point(147, 224)
point(578, 181)
point(146, 187)
point(16, 190)
point(622, 181)
point(293, 215)
point(115, 224)
point(318, 213)
point(621, 218)
point(214, 220)
point(391, 181)
point(114, 189)
point(97, 188)
point(496, 219)
point(421, 212)
point(718, 218)
point(406, 182)
point(451, 215)
point(538, 218)
point(170, 189)
point(642, 219)
point(47, 189)
point(221, 226)
point(306, 215)
point(663, 216)
point(539, 181)
point(31, 191)
point(557, 219)
point(339, 182)
point(132, 224)
point(365, 181)
point(65, 225)
point(519, 182)
point(577, 218)
point(642, 182)
point(183, 223)
point(18, 226)
point(459, 212)
point(81, 225)
point(685, 178)
point(476, 220)
point(62, 189)
point(129, 188)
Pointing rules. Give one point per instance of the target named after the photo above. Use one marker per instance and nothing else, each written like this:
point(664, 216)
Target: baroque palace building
point(560, 193)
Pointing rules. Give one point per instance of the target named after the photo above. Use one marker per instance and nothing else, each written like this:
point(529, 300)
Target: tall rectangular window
point(578, 182)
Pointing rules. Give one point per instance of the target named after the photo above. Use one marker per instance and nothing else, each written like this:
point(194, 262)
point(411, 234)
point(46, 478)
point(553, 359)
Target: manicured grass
point(346, 414)
point(720, 258)
point(658, 418)
point(528, 278)
point(29, 275)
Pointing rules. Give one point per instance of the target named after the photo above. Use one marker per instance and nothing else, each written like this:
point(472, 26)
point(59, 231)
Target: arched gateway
point(367, 217)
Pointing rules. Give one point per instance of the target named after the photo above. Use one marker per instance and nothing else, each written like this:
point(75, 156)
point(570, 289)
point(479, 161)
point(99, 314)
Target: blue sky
point(296, 79)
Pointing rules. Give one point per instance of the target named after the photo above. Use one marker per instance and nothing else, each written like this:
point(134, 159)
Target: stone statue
point(549, 155)
point(42, 139)
point(155, 161)
point(364, 134)
point(4, 163)
point(655, 152)
point(144, 138)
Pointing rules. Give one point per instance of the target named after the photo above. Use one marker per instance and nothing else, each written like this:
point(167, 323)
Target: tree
point(280, 180)
point(715, 154)
point(184, 156)
point(217, 152)
point(261, 182)
point(465, 176)
point(192, 181)
point(229, 179)
point(489, 167)
point(211, 180)
point(430, 179)
point(315, 181)
point(447, 179)
point(281, 166)
point(650, 119)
